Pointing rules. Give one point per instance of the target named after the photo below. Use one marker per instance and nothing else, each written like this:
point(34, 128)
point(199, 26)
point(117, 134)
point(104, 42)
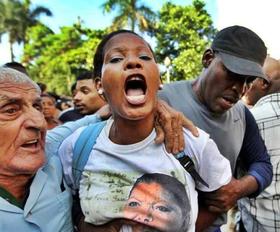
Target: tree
point(56, 59)
point(30, 16)
point(182, 34)
point(131, 13)
point(16, 17)
point(10, 11)
point(37, 38)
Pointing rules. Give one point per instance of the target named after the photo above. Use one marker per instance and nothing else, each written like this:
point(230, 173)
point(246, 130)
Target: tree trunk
point(12, 51)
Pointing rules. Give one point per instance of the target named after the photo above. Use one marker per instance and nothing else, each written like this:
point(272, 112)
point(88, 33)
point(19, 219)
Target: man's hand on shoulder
point(169, 127)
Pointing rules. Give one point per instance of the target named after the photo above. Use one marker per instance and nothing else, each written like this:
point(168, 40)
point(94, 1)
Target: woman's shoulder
point(196, 141)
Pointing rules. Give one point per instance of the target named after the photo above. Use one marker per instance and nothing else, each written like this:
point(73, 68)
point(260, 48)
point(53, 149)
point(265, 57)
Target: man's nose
point(77, 97)
point(35, 119)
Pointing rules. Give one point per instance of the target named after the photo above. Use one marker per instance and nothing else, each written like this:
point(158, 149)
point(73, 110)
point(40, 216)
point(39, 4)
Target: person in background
point(64, 103)
point(212, 102)
point(262, 213)
point(17, 66)
point(70, 114)
point(85, 97)
point(261, 87)
point(49, 111)
point(43, 87)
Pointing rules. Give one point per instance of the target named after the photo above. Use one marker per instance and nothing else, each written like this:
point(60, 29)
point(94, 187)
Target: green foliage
point(56, 59)
point(183, 33)
point(132, 14)
point(16, 17)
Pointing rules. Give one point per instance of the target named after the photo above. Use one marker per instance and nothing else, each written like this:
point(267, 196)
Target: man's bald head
point(259, 87)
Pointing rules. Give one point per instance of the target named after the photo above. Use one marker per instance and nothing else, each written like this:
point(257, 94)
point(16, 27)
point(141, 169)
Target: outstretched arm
point(56, 136)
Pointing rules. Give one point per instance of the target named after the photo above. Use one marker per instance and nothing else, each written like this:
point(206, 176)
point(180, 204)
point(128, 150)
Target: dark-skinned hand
point(224, 198)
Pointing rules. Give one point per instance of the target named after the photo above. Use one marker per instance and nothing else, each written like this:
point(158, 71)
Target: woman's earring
point(100, 91)
point(160, 87)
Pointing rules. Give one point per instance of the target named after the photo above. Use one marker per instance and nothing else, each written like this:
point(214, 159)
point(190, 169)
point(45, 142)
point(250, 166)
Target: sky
point(260, 16)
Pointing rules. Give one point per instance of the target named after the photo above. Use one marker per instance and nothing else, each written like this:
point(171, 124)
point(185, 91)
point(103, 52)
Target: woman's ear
point(97, 80)
point(207, 57)
point(98, 85)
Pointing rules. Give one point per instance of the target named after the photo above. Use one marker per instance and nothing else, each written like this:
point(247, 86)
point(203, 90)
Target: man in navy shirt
point(212, 103)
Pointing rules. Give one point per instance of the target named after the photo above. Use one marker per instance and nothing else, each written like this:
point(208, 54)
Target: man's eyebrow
point(6, 99)
point(85, 87)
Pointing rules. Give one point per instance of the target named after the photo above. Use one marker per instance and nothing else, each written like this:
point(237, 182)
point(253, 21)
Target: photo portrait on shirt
point(159, 202)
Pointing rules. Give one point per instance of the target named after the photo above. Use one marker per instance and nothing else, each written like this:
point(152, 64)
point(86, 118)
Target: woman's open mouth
point(135, 89)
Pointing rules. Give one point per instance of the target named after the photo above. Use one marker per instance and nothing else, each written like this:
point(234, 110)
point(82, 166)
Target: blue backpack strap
point(82, 149)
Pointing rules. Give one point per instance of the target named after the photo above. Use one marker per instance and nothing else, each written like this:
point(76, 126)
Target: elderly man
point(211, 102)
point(263, 212)
point(33, 196)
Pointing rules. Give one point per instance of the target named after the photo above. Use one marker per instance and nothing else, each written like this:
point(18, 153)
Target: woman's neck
point(126, 132)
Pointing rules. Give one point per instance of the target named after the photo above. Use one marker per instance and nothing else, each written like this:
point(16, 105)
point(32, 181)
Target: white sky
point(261, 16)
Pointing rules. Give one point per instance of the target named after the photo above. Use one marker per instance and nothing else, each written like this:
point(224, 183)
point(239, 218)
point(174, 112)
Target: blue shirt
point(48, 206)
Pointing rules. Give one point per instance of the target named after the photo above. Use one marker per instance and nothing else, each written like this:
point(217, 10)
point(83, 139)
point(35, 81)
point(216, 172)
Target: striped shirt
point(263, 213)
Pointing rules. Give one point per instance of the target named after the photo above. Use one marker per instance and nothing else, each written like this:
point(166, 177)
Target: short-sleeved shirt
point(235, 133)
point(113, 169)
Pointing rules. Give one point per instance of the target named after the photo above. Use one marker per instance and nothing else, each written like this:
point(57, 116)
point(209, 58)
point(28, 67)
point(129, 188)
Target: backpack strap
point(188, 165)
point(87, 140)
point(82, 149)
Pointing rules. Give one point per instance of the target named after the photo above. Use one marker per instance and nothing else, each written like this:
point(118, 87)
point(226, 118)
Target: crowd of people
point(129, 153)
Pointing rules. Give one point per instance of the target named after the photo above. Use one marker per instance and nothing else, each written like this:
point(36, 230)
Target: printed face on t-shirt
point(151, 205)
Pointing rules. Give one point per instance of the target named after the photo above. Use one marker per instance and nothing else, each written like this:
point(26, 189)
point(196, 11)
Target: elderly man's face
point(22, 129)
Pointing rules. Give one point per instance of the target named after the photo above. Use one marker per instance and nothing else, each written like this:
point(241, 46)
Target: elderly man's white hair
point(14, 76)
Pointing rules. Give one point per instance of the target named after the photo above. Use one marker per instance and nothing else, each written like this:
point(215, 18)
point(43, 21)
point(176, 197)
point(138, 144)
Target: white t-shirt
point(106, 188)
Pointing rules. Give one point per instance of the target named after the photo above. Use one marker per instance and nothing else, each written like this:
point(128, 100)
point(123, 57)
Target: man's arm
point(205, 219)
point(56, 136)
point(254, 155)
point(256, 161)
